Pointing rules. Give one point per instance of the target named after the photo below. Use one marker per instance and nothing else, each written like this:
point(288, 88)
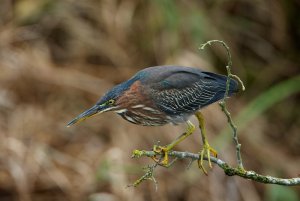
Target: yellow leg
point(166, 149)
point(207, 149)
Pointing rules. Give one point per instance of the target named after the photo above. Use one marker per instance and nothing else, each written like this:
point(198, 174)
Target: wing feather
point(190, 99)
point(176, 90)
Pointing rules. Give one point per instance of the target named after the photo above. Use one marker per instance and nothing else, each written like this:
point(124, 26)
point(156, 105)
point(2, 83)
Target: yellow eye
point(111, 101)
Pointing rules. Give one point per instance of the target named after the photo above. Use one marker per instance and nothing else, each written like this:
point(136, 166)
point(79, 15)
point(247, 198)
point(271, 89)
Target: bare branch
point(228, 170)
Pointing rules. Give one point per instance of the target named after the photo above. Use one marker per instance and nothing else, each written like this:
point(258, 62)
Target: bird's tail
point(233, 87)
point(221, 81)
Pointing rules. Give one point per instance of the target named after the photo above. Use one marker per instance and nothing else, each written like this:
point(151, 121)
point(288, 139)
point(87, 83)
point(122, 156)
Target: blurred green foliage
point(259, 105)
point(280, 193)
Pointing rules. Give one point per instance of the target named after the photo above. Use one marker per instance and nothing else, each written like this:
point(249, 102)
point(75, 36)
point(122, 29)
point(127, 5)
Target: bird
point(159, 95)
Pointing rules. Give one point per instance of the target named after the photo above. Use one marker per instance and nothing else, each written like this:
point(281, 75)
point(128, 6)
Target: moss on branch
point(228, 170)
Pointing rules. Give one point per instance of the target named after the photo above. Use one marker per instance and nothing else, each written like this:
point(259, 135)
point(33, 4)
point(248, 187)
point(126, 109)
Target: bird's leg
point(169, 147)
point(207, 149)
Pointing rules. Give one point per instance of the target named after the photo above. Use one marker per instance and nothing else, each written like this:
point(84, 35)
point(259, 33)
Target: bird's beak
point(96, 109)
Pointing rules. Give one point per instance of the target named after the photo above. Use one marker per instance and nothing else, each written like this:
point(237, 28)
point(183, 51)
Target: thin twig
point(228, 170)
point(149, 175)
point(223, 104)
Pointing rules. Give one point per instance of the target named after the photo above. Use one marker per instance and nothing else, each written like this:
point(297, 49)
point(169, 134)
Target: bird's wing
point(185, 92)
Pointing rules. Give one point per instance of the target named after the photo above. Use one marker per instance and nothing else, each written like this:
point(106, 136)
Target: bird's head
point(107, 103)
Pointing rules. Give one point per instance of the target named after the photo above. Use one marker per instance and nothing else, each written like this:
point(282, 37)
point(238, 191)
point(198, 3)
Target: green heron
point(159, 95)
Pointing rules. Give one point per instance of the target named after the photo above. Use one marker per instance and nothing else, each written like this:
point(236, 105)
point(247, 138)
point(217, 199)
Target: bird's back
point(181, 91)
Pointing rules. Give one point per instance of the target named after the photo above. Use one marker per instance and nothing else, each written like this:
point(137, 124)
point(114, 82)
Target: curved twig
point(223, 103)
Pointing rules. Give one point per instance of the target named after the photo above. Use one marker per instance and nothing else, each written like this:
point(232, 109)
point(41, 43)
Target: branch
point(223, 104)
point(228, 170)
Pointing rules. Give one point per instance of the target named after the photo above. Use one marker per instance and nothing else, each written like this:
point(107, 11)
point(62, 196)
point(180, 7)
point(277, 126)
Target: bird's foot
point(163, 150)
point(205, 152)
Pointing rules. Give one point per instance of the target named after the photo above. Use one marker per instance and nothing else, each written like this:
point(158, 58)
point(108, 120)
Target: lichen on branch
point(228, 170)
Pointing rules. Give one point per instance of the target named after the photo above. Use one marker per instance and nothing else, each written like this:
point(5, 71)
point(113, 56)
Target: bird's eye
point(111, 101)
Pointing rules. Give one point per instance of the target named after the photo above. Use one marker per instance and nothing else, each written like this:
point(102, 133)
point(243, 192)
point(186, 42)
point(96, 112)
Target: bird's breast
point(137, 106)
point(143, 115)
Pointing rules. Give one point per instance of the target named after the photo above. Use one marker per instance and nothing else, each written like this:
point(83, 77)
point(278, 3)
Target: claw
point(205, 152)
point(164, 150)
point(207, 149)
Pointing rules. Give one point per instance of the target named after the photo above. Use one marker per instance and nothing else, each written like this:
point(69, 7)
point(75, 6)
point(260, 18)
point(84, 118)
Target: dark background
point(58, 57)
